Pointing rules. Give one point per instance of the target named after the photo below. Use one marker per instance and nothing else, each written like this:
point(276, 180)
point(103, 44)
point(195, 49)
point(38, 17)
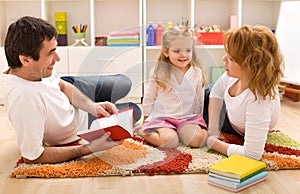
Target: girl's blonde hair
point(163, 66)
point(256, 51)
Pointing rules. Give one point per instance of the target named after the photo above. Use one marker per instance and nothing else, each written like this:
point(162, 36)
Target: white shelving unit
point(104, 16)
point(101, 18)
point(100, 15)
point(206, 12)
point(78, 12)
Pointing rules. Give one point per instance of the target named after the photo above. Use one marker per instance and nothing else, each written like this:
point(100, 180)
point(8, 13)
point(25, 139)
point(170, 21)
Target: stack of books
point(236, 173)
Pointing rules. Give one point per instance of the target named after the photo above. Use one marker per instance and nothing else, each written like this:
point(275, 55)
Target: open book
point(120, 125)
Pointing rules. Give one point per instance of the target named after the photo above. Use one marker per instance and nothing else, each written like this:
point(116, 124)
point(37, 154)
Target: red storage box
point(295, 97)
point(210, 37)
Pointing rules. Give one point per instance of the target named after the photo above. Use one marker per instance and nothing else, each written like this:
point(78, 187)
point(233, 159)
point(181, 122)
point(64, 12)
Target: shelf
point(20, 1)
point(210, 47)
point(197, 47)
point(78, 12)
point(216, 12)
point(261, 12)
point(64, 0)
point(104, 16)
point(117, 15)
point(101, 17)
point(167, 11)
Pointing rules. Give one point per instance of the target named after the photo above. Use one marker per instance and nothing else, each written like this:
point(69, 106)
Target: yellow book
point(238, 167)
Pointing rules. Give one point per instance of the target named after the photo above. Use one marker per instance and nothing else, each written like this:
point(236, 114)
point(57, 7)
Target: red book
point(120, 125)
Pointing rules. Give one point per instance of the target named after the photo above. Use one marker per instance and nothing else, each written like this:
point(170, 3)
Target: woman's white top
point(249, 117)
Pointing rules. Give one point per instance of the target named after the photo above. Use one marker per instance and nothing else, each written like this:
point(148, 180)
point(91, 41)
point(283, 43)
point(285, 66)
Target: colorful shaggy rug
point(133, 157)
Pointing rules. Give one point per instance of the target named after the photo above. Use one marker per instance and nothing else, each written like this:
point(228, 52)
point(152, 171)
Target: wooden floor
point(286, 182)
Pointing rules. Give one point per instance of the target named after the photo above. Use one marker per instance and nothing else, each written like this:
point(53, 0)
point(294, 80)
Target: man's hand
point(105, 109)
point(66, 153)
point(102, 143)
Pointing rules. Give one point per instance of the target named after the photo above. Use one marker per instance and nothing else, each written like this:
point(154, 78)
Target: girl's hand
point(222, 138)
point(214, 143)
point(213, 131)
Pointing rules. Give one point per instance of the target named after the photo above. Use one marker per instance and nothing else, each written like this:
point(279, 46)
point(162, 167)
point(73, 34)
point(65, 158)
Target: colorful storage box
point(206, 38)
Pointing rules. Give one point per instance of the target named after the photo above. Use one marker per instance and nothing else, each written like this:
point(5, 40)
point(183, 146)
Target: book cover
point(238, 189)
point(120, 125)
point(235, 185)
point(237, 166)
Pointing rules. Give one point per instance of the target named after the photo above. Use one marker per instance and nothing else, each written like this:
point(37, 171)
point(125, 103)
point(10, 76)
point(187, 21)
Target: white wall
point(288, 35)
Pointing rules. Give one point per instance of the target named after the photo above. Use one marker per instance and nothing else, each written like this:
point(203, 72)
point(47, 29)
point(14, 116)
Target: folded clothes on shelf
point(123, 38)
point(125, 33)
point(122, 44)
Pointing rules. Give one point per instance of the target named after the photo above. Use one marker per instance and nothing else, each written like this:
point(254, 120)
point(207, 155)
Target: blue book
point(235, 185)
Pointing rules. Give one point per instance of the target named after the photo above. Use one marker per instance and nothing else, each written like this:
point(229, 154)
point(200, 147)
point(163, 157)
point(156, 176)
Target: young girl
point(254, 67)
point(174, 96)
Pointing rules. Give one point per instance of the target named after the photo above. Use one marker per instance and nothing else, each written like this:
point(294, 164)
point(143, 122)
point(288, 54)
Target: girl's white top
point(184, 99)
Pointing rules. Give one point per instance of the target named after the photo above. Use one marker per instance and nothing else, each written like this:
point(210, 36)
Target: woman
point(254, 67)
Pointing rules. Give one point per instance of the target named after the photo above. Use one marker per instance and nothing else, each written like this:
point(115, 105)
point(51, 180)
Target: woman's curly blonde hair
point(256, 51)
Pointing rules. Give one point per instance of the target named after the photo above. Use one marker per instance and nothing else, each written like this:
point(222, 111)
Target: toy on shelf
point(61, 27)
point(150, 35)
point(208, 35)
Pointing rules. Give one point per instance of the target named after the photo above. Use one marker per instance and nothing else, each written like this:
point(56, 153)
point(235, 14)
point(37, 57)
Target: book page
point(125, 120)
point(122, 118)
point(120, 125)
point(104, 122)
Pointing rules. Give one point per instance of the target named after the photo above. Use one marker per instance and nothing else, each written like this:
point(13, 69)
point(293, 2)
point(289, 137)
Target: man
point(46, 111)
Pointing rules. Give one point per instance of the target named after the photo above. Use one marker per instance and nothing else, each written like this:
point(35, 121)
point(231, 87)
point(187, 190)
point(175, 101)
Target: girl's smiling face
point(180, 53)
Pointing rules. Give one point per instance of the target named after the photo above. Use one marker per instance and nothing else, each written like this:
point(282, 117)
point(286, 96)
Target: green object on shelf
point(79, 39)
point(216, 72)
